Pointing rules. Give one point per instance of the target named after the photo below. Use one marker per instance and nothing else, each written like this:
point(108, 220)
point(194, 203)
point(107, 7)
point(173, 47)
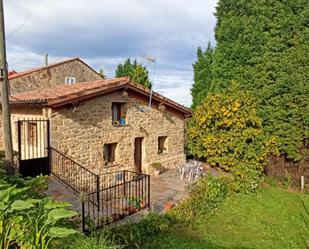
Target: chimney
point(46, 60)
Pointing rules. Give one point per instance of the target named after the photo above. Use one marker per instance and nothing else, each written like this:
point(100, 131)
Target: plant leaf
point(21, 205)
point(59, 213)
point(60, 232)
point(3, 206)
point(51, 204)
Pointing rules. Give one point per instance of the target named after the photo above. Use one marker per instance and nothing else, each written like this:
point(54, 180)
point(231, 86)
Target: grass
point(271, 218)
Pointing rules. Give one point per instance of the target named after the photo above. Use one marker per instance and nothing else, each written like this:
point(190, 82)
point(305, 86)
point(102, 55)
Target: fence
point(125, 193)
point(33, 139)
point(72, 174)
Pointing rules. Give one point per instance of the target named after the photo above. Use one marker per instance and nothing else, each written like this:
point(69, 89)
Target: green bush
point(226, 131)
point(27, 219)
point(205, 196)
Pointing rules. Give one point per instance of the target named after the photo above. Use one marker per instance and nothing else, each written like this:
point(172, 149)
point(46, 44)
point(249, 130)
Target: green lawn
point(271, 218)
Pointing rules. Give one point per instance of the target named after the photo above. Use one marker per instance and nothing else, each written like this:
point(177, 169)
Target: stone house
point(69, 71)
point(65, 72)
point(107, 125)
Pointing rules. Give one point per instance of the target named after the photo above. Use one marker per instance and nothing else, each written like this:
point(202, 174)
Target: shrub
point(28, 219)
point(157, 166)
point(205, 196)
point(226, 131)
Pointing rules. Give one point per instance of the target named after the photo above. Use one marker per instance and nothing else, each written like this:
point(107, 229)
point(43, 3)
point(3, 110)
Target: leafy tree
point(202, 75)
point(101, 72)
point(135, 71)
point(226, 130)
point(263, 45)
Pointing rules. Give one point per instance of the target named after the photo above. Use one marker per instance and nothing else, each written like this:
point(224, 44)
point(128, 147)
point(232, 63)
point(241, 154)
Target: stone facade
point(82, 132)
point(46, 77)
point(53, 75)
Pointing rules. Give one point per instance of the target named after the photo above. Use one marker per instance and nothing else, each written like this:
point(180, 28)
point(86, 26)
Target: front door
point(138, 154)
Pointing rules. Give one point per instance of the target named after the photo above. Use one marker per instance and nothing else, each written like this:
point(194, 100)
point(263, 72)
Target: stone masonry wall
point(81, 133)
point(53, 76)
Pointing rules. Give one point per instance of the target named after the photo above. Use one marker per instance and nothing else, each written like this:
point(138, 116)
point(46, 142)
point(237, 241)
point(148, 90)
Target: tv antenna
point(151, 60)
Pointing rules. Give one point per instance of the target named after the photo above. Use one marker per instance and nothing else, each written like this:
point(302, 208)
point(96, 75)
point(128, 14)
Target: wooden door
point(138, 154)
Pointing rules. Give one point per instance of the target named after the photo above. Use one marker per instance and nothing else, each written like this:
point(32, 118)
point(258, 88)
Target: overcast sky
point(103, 33)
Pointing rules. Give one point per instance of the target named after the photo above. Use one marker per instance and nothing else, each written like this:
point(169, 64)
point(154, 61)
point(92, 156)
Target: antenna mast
point(150, 59)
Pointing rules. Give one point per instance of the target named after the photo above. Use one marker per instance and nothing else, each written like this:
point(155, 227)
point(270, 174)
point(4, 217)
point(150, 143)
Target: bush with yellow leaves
point(226, 131)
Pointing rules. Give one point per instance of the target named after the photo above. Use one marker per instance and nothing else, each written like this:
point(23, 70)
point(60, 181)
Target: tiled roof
point(64, 94)
point(13, 74)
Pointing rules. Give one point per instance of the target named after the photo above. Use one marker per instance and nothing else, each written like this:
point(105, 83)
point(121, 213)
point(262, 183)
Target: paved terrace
point(163, 188)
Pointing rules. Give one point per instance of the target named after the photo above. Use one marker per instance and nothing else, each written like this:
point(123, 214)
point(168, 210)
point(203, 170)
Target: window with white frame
point(70, 80)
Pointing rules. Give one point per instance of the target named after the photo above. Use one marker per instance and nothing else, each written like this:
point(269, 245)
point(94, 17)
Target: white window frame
point(68, 80)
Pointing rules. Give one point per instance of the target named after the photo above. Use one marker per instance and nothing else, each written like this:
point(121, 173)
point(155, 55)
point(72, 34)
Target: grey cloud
point(106, 32)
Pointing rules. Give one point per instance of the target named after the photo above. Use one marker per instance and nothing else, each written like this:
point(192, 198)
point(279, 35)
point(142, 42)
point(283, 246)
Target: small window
point(32, 134)
point(110, 153)
point(70, 80)
point(119, 113)
point(162, 145)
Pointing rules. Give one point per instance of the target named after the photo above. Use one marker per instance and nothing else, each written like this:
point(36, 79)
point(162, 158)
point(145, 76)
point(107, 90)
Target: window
point(162, 145)
point(119, 113)
point(32, 134)
point(110, 153)
point(70, 80)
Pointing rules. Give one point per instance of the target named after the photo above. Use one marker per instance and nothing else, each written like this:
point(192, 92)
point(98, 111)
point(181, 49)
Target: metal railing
point(73, 174)
point(125, 193)
point(107, 197)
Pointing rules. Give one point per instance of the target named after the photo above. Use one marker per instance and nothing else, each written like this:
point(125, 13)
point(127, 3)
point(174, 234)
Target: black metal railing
point(125, 193)
point(115, 178)
point(73, 174)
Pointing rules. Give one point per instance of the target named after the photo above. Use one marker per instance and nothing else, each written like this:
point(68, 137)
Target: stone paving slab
point(60, 192)
point(163, 188)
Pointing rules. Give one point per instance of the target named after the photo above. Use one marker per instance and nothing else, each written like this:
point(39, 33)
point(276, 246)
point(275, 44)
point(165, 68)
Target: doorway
point(33, 147)
point(138, 155)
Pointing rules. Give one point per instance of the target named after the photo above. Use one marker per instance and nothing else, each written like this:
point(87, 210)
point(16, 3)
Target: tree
point(263, 45)
point(202, 75)
point(226, 131)
point(101, 72)
point(135, 71)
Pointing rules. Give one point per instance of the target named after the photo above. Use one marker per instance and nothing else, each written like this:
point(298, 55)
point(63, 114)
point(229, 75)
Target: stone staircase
point(61, 192)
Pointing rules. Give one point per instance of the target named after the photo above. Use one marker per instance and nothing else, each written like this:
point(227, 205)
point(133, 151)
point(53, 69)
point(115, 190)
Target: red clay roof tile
point(63, 94)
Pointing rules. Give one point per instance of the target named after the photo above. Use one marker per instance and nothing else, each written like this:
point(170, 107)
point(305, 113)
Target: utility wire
point(23, 24)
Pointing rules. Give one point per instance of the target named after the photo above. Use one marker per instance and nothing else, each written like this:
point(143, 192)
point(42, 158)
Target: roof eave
point(31, 103)
point(184, 110)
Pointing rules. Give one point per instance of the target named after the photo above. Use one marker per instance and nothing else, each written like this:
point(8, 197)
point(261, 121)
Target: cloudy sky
point(104, 33)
